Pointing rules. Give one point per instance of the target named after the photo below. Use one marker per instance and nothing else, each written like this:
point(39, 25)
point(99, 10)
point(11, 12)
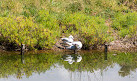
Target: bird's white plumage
point(76, 45)
point(69, 39)
point(71, 44)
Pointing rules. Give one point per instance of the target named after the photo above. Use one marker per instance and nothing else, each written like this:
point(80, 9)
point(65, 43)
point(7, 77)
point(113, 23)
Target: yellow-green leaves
point(90, 30)
point(24, 30)
point(125, 23)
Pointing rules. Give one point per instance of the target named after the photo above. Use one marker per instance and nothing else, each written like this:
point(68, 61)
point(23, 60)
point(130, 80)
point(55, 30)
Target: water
point(85, 66)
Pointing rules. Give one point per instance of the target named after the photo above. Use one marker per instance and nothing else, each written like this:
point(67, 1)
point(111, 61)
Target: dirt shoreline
point(125, 44)
point(112, 46)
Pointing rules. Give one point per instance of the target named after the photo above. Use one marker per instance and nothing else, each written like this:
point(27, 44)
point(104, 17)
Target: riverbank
point(112, 46)
point(94, 23)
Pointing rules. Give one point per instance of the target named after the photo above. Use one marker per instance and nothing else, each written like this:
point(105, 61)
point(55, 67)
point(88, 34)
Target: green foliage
point(74, 7)
point(99, 7)
point(124, 20)
point(47, 19)
point(24, 30)
point(88, 10)
point(89, 29)
point(125, 23)
point(30, 10)
point(123, 32)
point(85, 19)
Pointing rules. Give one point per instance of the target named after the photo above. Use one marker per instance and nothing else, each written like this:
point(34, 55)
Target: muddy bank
point(124, 44)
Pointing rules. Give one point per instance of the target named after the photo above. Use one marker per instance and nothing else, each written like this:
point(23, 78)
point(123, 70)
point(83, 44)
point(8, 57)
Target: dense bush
point(47, 19)
point(74, 7)
point(24, 30)
point(126, 23)
point(91, 30)
point(93, 7)
point(40, 23)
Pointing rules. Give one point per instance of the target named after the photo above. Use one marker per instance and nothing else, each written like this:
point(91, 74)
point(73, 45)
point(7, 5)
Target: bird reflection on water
point(72, 58)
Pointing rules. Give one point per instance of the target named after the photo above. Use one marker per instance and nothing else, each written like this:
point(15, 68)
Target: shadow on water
point(22, 59)
point(105, 51)
point(90, 62)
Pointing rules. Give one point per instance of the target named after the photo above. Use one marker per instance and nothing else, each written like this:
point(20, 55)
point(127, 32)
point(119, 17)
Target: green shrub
point(89, 29)
point(43, 21)
point(47, 19)
point(124, 22)
point(123, 32)
point(24, 30)
point(94, 32)
point(30, 10)
point(74, 7)
point(130, 32)
point(88, 10)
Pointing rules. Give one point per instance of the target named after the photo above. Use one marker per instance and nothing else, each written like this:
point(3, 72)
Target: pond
point(64, 66)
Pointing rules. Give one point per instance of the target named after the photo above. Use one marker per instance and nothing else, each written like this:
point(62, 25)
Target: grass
point(40, 23)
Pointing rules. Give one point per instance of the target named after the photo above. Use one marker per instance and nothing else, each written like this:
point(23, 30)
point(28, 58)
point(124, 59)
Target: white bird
point(69, 39)
point(76, 45)
point(69, 44)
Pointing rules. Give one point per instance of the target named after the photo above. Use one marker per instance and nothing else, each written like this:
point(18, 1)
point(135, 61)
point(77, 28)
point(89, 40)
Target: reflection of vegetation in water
point(127, 61)
point(89, 62)
point(40, 63)
point(11, 65)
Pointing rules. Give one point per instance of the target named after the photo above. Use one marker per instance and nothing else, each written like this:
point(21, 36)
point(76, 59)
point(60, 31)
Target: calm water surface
point(84, 66)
